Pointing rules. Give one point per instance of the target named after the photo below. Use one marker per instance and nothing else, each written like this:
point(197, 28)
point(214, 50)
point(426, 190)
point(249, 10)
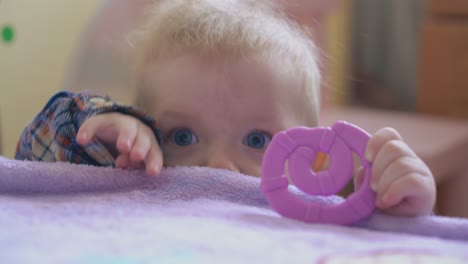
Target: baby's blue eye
point(183, 137)
point(257, 139)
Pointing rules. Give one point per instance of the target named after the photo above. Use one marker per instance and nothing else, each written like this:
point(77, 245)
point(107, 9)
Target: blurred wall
point(100, 61)
point(33, 64)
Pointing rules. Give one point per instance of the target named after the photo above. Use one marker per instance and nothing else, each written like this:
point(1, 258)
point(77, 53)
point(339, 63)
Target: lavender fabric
point(66, 213)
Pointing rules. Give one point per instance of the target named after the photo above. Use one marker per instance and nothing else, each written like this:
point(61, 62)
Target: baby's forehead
point(220, 78)
point(191, 68)
point(265, 68)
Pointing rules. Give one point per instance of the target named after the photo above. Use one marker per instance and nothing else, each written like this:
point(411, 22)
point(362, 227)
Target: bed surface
point(64, 213)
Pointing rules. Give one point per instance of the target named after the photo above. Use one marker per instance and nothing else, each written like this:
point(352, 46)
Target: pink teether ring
point(299, 147)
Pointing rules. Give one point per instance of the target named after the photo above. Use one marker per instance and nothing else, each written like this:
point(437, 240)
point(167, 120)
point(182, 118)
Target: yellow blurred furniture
point(330, 28)
point(444, 59)
point(443, 91)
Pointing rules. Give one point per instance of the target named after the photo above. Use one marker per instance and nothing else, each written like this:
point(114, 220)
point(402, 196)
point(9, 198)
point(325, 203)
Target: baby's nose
point(222, 161)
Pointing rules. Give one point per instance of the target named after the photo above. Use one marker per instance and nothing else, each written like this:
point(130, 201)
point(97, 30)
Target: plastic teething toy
point(299, 146)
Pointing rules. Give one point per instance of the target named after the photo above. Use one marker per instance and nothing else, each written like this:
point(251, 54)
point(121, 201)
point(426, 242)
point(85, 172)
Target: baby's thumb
point(83, 137)
point(358, 178)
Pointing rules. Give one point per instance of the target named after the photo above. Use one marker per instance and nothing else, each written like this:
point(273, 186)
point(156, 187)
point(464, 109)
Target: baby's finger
point(154, 160)
point(127, 135)
point(401, 167)
point(136, 165)
point(122, 161)
point(389, 153)
point(140, 147)
point(378, 140)
point(359, 178)
point(393, 195)
point(402, 194)
point(87, 131)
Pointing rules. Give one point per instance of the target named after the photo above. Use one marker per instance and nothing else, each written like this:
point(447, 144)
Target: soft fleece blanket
point(65, 213)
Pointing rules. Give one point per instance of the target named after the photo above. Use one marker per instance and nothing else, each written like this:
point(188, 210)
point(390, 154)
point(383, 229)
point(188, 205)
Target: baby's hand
point(403, 182)
point(131, 141)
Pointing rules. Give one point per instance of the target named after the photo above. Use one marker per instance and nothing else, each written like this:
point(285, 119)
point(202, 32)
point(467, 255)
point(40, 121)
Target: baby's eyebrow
point(177, 118)
point(176, 115)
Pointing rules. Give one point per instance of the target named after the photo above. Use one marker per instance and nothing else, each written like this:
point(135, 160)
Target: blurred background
point(395, 56)
point(371, 52)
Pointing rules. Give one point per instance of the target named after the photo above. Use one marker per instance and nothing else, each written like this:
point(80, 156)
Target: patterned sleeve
point(51, 135)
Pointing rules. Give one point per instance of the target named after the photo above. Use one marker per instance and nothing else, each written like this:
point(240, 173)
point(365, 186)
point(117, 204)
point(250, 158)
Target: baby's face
point(223, 113)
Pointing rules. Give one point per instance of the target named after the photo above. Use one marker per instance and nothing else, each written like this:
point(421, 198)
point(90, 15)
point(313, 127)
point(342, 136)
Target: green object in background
point(8, 33)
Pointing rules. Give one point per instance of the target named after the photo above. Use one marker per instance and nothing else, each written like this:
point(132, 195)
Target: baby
point(221, 78)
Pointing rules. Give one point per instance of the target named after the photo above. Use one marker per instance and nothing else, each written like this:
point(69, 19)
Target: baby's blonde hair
point(229, 28)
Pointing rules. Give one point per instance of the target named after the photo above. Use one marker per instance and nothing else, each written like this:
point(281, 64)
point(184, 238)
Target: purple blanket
point(65, 213)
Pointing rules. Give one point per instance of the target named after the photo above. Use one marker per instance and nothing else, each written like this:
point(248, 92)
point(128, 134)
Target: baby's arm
point(403, 182)
point(51, 135)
